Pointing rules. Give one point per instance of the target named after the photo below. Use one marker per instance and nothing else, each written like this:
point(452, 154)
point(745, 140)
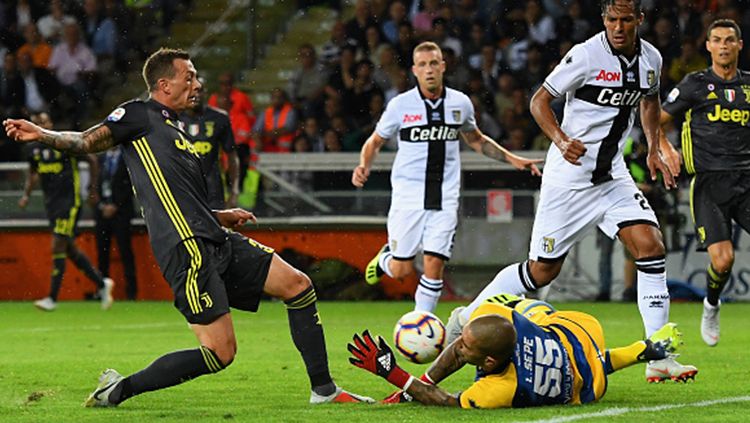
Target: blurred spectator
point(354, 139)
point(541, 25)
point(357, 25)
point(580, 27)
point(664, 39)
point(504, 93)
point(247, 149)
point(74, 65)
point(330, 53)
point(688, 61)
point(307, 83)
point(422, 21)
point(456, 73)
point(100, 30)
point(356, 100)
point(277, 125)
point(535, 71)
point(386, 68)
point(12, 97)
point(516, 139)
point(313, 135)
point(401, 84)
point(51, 25)
point(372, 42)
point(332, 141)
point(39, 50)
point(489, 65)
point(40, 86)
point(443, 39)
point(112, 216)
point(342, 75)
point(472, 48)
point(688, 20)
point(396, 16)
point(405, 45)
point(516, 52)
point(240, 102)
point(485, 120)
point(475, 85)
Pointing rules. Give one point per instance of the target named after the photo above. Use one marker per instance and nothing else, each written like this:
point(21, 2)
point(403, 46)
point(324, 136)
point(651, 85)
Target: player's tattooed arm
point(93, 140)
point(447, 363)
point(432, 395)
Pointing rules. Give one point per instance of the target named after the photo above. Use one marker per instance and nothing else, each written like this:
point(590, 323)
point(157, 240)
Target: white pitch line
point(617, 411)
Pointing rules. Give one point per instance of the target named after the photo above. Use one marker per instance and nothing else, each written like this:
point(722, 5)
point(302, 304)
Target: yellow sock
point(622, 357)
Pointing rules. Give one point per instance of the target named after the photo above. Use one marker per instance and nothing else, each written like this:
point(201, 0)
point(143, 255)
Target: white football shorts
point(433, 230)
point(564, 216)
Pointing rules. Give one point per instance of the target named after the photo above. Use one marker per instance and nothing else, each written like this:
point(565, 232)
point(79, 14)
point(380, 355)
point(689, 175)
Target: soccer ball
point(419, 336)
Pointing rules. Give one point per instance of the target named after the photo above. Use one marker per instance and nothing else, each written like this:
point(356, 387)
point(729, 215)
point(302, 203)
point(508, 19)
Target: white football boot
point(710, 323)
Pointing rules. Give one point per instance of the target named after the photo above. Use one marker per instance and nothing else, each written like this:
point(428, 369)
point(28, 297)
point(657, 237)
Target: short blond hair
point(428, 46)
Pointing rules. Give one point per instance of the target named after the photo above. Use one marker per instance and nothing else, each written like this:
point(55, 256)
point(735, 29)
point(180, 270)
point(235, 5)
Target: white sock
point(428, 294)
point(653, 296)
point(385, 262)
point(514, 279)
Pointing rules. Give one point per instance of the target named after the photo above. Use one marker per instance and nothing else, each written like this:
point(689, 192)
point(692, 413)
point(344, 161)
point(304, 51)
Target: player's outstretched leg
point(294, 287)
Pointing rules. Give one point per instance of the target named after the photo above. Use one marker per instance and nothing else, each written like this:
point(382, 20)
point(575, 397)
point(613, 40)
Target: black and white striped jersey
point(426, 173)
point(602, 90)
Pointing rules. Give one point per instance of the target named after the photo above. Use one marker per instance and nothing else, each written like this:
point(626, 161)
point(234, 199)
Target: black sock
point(715, 285)
point(58, 270)
point(168, 370)
point(85, 266)
point(307, 334)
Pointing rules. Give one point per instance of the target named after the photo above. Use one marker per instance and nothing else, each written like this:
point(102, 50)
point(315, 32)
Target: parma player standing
point(61, 186)
point(523, 358)
point(427, 121)
point(586, 184)
point(715, 103)
point(211, 132)
point(208, 268)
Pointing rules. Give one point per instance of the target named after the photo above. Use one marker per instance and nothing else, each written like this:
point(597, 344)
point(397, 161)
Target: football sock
point(58, 270)
point(653, 296)
point(85, 266)
point(716, 282)
point(428, 294)
point(515, 279)
point(619, 358)
point(384, 263)
point(307, 334)
point(168, 370)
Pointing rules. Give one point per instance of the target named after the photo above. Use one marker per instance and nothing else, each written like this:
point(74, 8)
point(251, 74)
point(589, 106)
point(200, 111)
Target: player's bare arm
point(650, 120)
point(488, 147)
point(447, 363)
point(93, 140)
point(234, 178)
point(432, 395)
point(31, 181)
point(571, 149)
point(670, 154)
point(369, 150)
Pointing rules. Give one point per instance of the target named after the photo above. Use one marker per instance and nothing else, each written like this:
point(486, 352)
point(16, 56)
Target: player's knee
point(723, 261)
point(297, 284)
point(401, 268)
point(219, 355)
point(653, 247)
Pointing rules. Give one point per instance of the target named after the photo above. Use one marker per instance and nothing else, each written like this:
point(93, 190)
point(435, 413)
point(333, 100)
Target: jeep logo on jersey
point(430, 133)
point(625, 97)
point(203, 147)
point(608, 76)
point(412, 118)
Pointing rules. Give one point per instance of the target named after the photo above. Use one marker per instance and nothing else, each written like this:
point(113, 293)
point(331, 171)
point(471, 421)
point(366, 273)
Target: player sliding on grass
point(208, 267)
point(540, 357)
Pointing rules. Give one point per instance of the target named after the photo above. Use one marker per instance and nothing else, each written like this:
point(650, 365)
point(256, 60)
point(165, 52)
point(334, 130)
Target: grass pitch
point(49, 363)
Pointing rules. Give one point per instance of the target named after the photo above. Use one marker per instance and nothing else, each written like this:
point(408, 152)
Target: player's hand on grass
point(359, 176)
point(21, 130)
point(234, 218)
point(571, 149)
point(377, 358)
point(522, 163)
point(656, 163)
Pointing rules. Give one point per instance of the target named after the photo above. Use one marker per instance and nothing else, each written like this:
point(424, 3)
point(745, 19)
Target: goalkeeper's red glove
point(378, 359)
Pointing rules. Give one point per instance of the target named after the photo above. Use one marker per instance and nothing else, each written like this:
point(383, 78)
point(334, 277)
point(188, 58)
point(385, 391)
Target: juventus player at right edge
point(586, 183)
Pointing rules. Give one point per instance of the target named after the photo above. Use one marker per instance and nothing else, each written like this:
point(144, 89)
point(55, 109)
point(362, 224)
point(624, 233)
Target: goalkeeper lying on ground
point(537, 357)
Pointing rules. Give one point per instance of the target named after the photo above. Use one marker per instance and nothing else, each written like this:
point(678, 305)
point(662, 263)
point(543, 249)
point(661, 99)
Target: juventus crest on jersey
point(426, 173)
point(602, 89)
